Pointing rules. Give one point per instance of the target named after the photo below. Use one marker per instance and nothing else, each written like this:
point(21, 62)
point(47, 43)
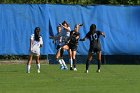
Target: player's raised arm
point(65, 25)
point(78, 35)
point(103, 34)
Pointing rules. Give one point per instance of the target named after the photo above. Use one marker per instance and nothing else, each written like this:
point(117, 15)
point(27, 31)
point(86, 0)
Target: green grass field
point(112, 79)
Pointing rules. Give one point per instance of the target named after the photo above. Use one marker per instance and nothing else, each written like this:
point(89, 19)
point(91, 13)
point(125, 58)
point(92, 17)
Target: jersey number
point(95, 36)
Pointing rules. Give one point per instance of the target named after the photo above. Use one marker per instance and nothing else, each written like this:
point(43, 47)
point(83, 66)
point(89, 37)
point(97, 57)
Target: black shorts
point(72, 47)
point(94, 50)
point(58, 46)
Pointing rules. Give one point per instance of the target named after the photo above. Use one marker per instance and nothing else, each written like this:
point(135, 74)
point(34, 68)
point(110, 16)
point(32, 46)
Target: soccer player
point(71, 46)
point(35, 45)
point(59, 42)
point(95, 46)
point(65, 30)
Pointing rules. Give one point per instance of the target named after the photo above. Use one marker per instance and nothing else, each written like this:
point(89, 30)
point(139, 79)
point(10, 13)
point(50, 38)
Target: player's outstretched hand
point(103, 34)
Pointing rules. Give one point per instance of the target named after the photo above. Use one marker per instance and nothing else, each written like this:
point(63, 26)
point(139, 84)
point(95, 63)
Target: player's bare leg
point(70, 59)
point(89, 58)
point(74, 60)
point(29, 63)
point(99, 60)
point(58, 58)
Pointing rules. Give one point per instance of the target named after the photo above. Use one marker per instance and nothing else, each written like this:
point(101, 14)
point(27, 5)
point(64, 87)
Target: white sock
point(63, 62)
point(38, 66)
point(28, 68)
point(71, 62)
point(60, 62)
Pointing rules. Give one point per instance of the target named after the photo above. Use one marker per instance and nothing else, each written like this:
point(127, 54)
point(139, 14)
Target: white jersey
point(66, 34)
point(36, 45)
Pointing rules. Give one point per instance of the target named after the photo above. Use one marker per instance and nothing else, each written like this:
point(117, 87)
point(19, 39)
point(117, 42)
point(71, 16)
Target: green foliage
point(82, 2)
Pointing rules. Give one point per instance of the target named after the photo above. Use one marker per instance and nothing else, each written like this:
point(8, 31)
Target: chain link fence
point(80, 59)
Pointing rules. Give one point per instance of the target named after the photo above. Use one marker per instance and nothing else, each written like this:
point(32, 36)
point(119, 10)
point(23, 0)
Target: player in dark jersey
point(59, 42)
point(72, 45)
point(61, 39)
point(95, 46)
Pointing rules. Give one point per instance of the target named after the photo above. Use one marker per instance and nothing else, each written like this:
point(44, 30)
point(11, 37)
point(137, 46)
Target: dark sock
point(87, 64)
point(61, 52)
point(99, 64)
point(74, 63)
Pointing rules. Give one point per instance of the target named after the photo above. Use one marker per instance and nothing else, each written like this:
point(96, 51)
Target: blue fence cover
point(121, 24)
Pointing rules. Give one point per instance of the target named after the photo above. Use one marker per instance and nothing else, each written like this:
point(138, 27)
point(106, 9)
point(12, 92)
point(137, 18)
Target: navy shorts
point(58, 46)
point(94, 49)
point(72, 47)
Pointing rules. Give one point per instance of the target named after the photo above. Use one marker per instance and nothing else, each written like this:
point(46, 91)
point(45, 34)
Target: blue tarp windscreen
point(119, 23)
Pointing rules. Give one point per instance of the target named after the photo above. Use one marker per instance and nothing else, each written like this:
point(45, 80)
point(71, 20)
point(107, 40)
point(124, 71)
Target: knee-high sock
point(28, 67)
point(59, 61)
point(99, 64)
point(87, 64)
point(38, 66)
point(61, 52)
point(74, 63)
point(63, 62)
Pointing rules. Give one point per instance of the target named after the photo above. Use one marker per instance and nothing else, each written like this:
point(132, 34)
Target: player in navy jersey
point(95, 46)
point(59, 42)
point(71, 46)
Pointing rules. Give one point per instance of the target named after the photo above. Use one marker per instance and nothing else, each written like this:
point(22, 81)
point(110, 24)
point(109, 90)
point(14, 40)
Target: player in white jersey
point(59, 42)
point(65, 31)
point(36, 43)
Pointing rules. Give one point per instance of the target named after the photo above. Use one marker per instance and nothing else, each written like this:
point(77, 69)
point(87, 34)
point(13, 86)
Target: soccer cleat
point(98, 71)
point(38, 71)
point(86, 71)
point(71, 68)
point(61, 67)
point(75, 69)
point(66, 68)
point(28, 72)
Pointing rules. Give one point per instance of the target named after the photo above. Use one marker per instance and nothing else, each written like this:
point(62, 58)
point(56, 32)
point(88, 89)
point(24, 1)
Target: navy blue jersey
point(73, 36)
point(94, 39)
point(59, 40)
